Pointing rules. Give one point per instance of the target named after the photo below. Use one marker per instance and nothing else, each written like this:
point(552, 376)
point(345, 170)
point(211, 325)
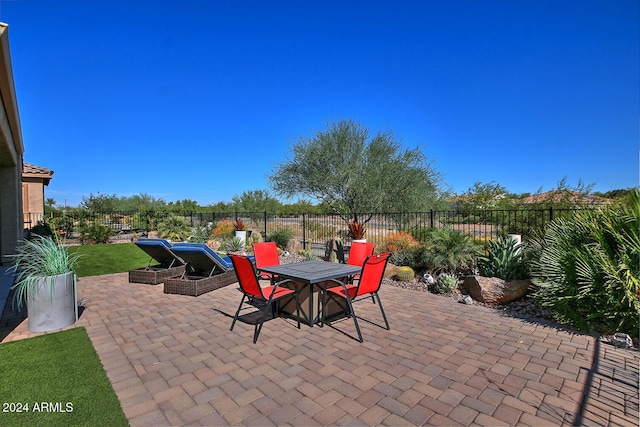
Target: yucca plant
point(234, 244)
point(504, 260)
point(587, 268)
point(41, 266)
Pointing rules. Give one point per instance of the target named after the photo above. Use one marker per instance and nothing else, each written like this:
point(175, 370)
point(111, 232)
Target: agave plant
point(446, 283)
point(37, 259)
point(238, 225)
point(356, 230)
point(504, 260)
point(234, 244)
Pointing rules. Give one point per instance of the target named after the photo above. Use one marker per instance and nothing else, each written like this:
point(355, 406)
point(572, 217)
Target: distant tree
point(222, 207)
point(486, 196)
point(256, 201)
point(352, 172)
point(301, 206)
point(99, 203)
point(185, 205)
point(141, 202)
point(621, 196)
point(49, 206)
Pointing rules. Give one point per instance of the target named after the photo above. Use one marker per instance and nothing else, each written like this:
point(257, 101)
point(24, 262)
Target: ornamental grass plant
point(37, 258)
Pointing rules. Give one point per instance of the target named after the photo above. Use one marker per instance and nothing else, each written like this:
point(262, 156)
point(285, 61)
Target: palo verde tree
point(343, 166)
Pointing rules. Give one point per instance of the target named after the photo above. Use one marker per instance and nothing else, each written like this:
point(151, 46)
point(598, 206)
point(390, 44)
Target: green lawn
point(108, 258)
point(56, 380)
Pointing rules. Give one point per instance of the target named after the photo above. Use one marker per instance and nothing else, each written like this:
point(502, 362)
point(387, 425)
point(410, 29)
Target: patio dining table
point(310, 278)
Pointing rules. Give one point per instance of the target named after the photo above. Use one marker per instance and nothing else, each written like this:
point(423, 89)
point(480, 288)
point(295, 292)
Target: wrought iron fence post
point(304, 233)
point(265, 225)
point(431, 220)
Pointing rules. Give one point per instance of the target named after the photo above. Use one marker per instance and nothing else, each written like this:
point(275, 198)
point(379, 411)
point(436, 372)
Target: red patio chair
point(250, 288)
point(369, 284)
point(266, 254)
point(358, 254)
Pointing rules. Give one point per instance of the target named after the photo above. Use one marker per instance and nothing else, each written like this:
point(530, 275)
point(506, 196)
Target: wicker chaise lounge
point(206, 270)
point(169, 265)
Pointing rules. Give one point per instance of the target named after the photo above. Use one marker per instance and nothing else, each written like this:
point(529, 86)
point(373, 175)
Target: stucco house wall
point(34, 179)
point(11, 154)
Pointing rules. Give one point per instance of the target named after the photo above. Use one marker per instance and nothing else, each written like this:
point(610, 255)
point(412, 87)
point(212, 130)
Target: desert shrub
point(41, 228)
point(504, 260)
point(281, 237)
point(420, 233)
point(223, 229)
point(401, 245)
point(63, 226)
point(95, 232)
point(448, 251)
point(399, 242)
point(586, 268)
point(174, 228)
point(201, 233)
point(320, 231)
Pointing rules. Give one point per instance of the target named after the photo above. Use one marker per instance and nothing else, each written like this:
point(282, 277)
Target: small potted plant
point(241, 233)
point(45, 279)
point(356, 231)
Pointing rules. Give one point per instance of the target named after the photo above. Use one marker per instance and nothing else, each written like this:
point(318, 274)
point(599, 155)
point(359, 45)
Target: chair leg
point(237, 312)
point(259, 324)
point(355, 320)
point(384, 316)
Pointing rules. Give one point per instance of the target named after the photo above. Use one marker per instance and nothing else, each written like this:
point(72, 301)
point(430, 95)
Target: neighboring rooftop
point(33, 171)
point(557, 196)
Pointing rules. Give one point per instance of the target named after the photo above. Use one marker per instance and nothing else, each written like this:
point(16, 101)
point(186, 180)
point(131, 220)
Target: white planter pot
point(52, 305)
point(242, 235)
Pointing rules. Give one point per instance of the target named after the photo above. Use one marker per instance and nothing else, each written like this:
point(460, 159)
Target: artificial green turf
point(56, 379)
point(108, 258)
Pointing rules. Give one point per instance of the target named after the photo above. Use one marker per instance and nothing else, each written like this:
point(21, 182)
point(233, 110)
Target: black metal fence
point(312, 228)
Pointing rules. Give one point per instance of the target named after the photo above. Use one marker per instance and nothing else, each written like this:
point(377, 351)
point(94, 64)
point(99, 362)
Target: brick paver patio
point(173, 361)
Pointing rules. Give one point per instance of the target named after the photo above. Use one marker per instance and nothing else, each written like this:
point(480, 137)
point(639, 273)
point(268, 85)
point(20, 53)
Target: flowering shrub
point(223, 228)
point(400, 242)
point(402, 246)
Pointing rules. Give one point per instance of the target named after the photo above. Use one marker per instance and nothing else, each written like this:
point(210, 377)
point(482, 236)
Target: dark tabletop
point(313, 271)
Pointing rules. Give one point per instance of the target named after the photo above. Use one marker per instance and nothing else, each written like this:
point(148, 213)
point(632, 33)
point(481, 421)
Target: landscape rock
point(491, 290)
point(391, 270)
point(256, 235)
point(294, 246)
point(334, 251)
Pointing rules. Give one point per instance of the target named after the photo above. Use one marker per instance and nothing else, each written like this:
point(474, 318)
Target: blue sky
point(201, 99)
